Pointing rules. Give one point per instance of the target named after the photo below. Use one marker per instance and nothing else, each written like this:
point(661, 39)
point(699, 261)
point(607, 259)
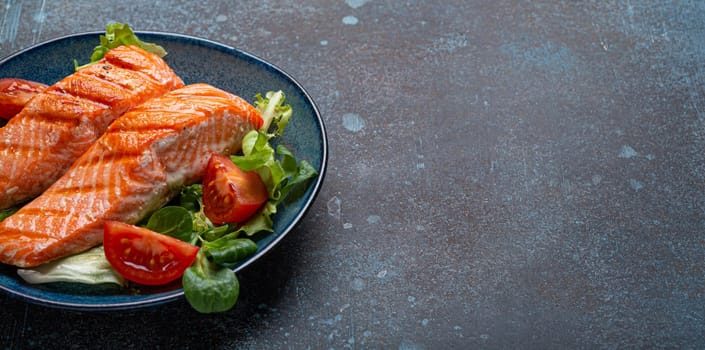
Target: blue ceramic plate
point(194, 60)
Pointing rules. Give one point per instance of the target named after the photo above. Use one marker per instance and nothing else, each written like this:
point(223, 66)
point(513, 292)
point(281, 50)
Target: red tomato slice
point(144, 256)
point(15, 93)
point(231, 195)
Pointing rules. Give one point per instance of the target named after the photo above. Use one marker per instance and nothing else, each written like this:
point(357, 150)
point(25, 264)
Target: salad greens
point(173, 221)
point(118, 34)
point(222, 247)
point(210, 284)
point(7, 212)
point(229, 249)
point(210, 288)
point(90, 267)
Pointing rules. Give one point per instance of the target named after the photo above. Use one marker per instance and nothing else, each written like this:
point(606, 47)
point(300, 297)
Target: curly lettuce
point(118, 34)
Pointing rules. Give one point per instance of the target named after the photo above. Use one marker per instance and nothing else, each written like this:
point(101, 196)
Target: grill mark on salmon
point(136, 167)
point(56, 126)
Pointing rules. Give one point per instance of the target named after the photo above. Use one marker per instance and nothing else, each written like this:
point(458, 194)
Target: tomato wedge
point(144, 256)
point(15, 93)
point(231, 195)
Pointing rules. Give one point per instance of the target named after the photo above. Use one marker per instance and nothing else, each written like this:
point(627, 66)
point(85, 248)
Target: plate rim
point(174, 295)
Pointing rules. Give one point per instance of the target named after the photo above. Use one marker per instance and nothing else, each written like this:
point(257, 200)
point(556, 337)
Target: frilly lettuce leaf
point(278, 168)
point(118, 34)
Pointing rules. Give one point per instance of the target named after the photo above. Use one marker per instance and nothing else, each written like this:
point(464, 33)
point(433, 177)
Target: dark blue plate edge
point(174, 295)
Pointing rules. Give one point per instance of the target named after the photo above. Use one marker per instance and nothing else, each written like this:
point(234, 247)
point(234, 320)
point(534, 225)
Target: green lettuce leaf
point(5, 213)
point(274, 111)
point(89, 267)
point(118, 34)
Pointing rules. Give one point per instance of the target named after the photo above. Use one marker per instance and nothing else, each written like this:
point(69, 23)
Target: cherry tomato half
point(15, 93)
point(231, 195)
point(144, 256)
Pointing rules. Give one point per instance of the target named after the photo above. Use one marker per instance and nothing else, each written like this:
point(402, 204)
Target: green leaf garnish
point(209, 287)
point(89, 267)
point(229, 249)
point(118, 34)
point(173, 221)
point(5, 213)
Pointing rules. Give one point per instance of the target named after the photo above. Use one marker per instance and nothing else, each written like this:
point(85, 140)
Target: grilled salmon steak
point(56, 126)
point(136, 167)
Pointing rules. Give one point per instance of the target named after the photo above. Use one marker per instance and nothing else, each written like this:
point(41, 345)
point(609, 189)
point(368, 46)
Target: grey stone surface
point(502, 174)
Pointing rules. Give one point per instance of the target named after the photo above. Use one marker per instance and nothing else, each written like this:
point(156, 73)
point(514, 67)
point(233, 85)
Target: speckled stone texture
point(502, 174)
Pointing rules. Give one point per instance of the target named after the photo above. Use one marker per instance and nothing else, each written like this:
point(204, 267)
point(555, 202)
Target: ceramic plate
point(194, 60)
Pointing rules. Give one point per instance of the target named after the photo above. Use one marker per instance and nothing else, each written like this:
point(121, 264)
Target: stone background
point(502, 174)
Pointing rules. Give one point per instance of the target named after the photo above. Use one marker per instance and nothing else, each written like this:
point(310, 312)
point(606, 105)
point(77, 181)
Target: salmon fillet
point(136, 167)
point(56, 126)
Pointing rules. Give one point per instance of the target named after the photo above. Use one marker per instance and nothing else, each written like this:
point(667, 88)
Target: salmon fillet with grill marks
point(56, 126)
point(136, 167)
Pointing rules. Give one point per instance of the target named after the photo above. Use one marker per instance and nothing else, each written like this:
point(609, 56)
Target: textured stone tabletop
point(502, 174)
